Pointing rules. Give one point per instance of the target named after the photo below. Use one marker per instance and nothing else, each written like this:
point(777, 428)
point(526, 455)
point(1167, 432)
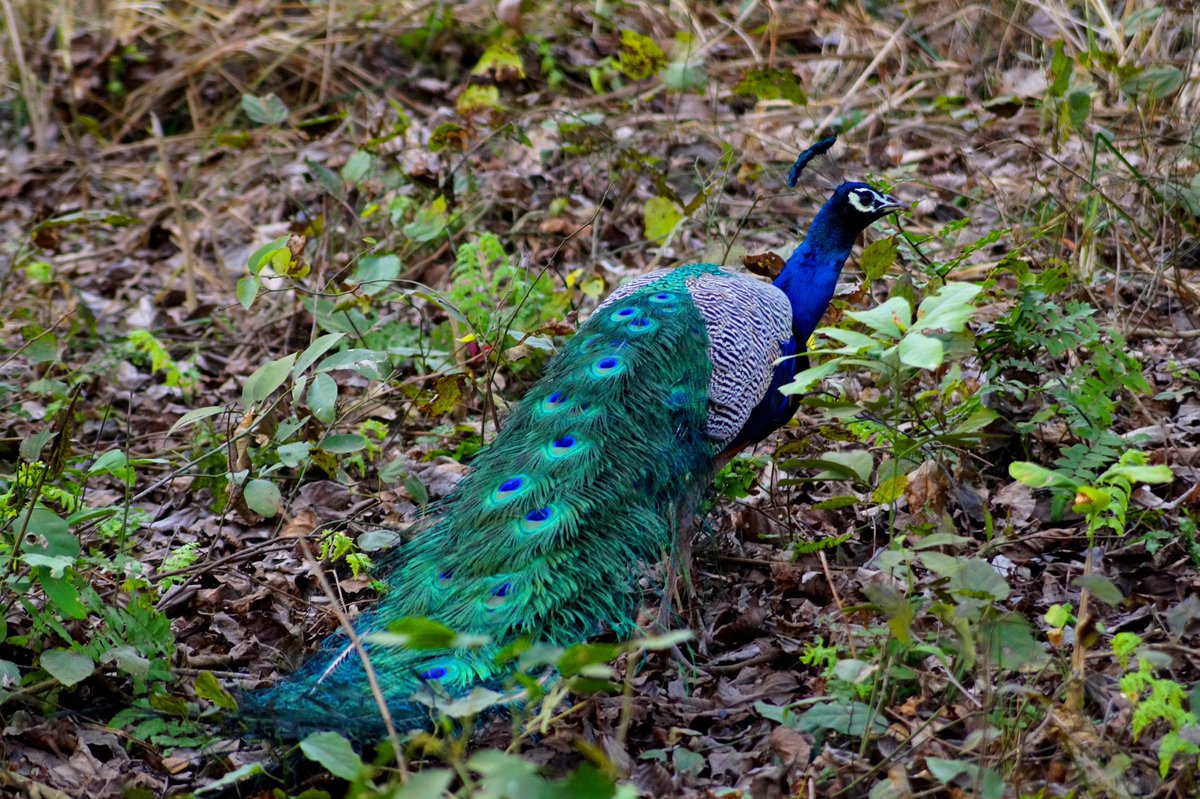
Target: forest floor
point(971, 572)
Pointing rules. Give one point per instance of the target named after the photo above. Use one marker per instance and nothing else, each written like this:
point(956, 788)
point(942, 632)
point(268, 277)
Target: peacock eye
point(433, 674)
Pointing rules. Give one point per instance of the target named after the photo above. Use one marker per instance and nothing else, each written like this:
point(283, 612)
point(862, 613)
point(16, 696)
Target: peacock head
point(857, 205)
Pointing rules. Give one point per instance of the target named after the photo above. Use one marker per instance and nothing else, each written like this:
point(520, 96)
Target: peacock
point(673, 374)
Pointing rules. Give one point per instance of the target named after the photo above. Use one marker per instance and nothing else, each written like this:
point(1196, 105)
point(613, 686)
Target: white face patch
point(867, 200)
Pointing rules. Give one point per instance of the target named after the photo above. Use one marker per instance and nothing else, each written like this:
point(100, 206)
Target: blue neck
point(810, 275)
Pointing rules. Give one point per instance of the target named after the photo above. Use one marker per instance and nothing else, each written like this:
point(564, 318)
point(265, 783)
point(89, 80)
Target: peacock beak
point(890, 204)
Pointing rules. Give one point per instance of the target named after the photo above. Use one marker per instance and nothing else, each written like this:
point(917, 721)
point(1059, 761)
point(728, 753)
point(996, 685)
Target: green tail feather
point(542, 538)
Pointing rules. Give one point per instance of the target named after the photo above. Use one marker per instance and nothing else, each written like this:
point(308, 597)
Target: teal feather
point(541, 540)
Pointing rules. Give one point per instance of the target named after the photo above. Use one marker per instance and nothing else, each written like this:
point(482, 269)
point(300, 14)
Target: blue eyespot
point(553, 402)
point(640, 325)
point(624, 313)
point(499, 596)
point(514, 486)
point(566, 442)
point(662, 296)
point(606, 366)
point(502, 590)
point(436, 673)
point(539, 515)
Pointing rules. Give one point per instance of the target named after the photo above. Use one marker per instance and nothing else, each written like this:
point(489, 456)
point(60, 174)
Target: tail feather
point(542, 538)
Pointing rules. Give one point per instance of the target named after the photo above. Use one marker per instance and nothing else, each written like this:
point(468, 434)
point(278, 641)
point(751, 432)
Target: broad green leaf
point(419, 632)
point(894, 606)
point(428, 783)
point(772, 84)
point(660, 218)
point(294, 454)
point(1036, 476)
point(1154, 83)
point(877, 258)
point(265, 110)
point(1100, 587)
point(262, 256)
point(890, 318)
point(262, 497)
point(32, 446)
point(342, 443)
point(1142, 474)
point(809, 377)
point(375, 273)
point(232, 778)
point(847, 718)
point(890, 489)
point(967, 775)
point(193, 416)
point(265, 379)
point(127, 659)
point(639, 57)
point(1058, 616)
point(664, 641)
point(921, 351)
point(947, 310)
point(356, 166)
point(365, 362)
point(247, 291)
point(334, 753)
point(41, 345)
point(430, 221)
point(322, 398)
point(474, 703)
point(685, 76)
point(501, 61)
point(476, 98)
point(315, 350)
point(63, 595)
point(66, 666)
point(854, 341)
point(207, 687)
point(49, 526)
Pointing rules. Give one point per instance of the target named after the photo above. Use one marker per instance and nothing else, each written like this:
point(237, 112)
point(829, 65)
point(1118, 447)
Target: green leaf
point(41, 345)
point(1058, 616)
point(63, 595)
point(262, 497)
point(294, 454)
point(193, 416)
point(265, 379)
point(375, 273)
point(894, 606)
point(947, 310)
point(476, 98)
point(322, 398)
point(315, 350)
point(1036, 476)
point(430, 221)
point(877, 258)
point(207, 687)
point(232, 778)
point(428, 783)
point(967, 775)
point(32, 446)
point(1141, 474)
point(129, 660)
point(247, 291)
point(890, 489)
point(889, 318)
point(262, 256)
point(342, 443)
point(772, 84)
point(502, 61)
point(1011, 644)
point(356, 166)
point(334, 753)
point(921, 351)
point(419, 632)
point(856, 464)
point(265, 110)
point(809, 377)
point(639, 57)
point(660, 219)
point(847, 718)
point(1100, 587)
point(664, 641)
point(1153, 83)
point(66, 666)
point(49, 526)
point(685, 76)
